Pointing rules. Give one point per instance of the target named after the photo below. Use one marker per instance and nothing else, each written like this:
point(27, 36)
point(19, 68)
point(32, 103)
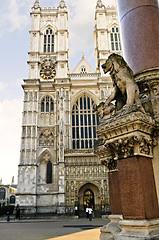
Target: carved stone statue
point(126, 91)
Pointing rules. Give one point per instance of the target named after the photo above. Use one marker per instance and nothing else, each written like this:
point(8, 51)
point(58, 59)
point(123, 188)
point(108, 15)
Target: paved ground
point(80, 229)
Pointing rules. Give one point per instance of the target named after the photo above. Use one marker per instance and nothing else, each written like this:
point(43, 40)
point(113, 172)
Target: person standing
point(87, 212)
point(8, 216)
point(90, 213)
point(76, 210)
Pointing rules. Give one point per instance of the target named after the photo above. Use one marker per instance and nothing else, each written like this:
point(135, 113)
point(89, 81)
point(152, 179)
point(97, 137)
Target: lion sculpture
point(126, 91)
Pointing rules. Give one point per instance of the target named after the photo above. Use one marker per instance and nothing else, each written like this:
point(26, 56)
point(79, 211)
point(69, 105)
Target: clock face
point(47, 72)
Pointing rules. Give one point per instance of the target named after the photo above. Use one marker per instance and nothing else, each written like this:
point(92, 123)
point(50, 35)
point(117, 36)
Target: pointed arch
point(45, 172)
point(84, 92)
point(42, 158)
point(52, 26)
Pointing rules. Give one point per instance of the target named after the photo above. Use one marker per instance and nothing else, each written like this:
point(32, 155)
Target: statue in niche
point(125, 92)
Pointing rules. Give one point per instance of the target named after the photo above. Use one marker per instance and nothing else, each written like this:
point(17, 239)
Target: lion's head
point(115, 62)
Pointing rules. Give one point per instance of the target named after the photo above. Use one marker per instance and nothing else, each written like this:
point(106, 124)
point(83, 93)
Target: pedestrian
point(8, 216)
point(76, 210)
point(90, 214)
point(17, 216)
point(71, 210)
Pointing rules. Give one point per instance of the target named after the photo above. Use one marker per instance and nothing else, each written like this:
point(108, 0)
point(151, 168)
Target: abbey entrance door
point(88, 199)
point(89, 196)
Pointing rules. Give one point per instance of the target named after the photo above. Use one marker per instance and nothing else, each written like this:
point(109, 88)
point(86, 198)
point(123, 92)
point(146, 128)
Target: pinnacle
point(62, 4)
point(99, 4)
point(36, 4)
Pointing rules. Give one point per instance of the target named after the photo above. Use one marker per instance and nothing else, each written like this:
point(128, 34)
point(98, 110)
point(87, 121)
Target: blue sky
point(14, 47)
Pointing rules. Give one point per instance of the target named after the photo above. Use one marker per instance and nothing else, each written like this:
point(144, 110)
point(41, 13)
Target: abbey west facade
point(58, 168)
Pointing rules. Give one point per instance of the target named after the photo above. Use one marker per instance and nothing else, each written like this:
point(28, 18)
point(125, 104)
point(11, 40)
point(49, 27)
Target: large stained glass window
point(84, 123)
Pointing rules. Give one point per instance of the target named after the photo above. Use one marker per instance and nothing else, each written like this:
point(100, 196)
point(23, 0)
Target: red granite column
point(114, 192)
point(137, 188)
point(139, 27)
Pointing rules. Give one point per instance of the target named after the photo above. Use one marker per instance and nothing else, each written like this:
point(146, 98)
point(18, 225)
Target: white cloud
point(3, 86)
point(81, 27)
point(10, 129)
point(14, 15)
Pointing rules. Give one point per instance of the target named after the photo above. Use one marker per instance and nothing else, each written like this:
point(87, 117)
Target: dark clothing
point(17, 213)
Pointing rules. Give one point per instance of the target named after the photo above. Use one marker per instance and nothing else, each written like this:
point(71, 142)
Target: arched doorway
point(89, 194)
point(88, 199)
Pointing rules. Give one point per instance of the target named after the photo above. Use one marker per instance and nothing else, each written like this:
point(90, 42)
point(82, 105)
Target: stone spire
point(99, 4)
point(62, 4)
point(36, 4)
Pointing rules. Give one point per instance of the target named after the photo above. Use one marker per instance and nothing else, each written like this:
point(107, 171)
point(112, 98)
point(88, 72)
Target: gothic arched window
point(83, 69)
point(12, 199)
point(2, 193)
point(48, 41)
point(84, 123)
point(49, 173)
point(47, 105)
point(115, 39)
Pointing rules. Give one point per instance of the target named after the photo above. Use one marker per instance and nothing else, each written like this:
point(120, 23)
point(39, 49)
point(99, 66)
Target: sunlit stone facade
point(58, 168)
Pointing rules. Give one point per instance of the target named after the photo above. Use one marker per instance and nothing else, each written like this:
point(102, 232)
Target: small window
point(2, 193)
point(47, 105)
point(115, 39)
point(49, 41)
point(49, 173)
point(12, 199)
point(83, 70)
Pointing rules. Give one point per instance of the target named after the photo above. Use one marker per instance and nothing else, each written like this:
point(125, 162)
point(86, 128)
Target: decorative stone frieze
point(47, 61)
point(46, 137)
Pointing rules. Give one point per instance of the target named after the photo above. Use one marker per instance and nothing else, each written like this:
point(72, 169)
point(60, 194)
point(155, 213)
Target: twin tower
point(58, 168)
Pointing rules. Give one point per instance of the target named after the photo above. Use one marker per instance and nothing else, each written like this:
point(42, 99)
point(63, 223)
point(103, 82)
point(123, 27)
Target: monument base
point(139, 230)
point(109, 231)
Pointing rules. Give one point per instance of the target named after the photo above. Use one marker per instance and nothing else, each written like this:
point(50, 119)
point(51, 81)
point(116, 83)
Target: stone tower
point(44, 115)
point(58, 168)
point(106, 34)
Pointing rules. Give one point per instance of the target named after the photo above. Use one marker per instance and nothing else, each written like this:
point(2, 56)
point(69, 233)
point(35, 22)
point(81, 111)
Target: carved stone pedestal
point(112, 229)
point(129, 139)
point(139, 230)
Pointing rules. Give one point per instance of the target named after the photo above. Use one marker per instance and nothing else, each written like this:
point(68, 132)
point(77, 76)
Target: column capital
point(130, 132)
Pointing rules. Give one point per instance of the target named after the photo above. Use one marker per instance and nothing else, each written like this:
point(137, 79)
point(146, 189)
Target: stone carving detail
point(103, 111)
point(110, 163)
point(46, 138)
point(126, 91)
point(122, 148)
point(128, 146)
point(105, 154)
point(47, 61)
